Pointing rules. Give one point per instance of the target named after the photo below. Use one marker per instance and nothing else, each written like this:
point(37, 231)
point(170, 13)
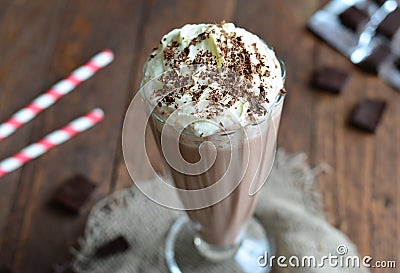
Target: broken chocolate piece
point(367, 114)
point(113, 247)
point(371, 63)
point(353, 18)
point(330, 79)
point(74, 193)
point(5, 269)
point(390, 24)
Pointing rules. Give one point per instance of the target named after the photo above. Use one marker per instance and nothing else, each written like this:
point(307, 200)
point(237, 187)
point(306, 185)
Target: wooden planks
point(346, 150)
point(82, 29)
point(42, 41)
point(359, 193)
point(384, 209)
point(282, 24)
point(21, 52)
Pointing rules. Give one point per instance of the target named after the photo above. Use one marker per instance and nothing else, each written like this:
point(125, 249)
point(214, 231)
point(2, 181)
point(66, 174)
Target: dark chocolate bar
point(367, 114)
point(113, 247)
point(347, 27)
point(74, 193)
point(371, 63)
point(330, 79)
point(353, 18)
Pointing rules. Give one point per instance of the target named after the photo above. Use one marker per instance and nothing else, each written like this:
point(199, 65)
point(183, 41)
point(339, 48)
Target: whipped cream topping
point(215, 77)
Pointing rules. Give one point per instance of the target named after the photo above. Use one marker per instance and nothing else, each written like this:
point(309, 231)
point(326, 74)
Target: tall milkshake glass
point(218, 161)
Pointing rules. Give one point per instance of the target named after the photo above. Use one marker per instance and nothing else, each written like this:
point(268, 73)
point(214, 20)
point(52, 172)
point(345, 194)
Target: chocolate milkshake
point(217, 106)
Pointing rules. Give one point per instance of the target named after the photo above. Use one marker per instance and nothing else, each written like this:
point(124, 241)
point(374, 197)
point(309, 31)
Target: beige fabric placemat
point(289, 208)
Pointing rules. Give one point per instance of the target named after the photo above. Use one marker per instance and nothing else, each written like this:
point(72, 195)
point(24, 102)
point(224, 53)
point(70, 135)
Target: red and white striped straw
point(56, 92)
point(51, 140)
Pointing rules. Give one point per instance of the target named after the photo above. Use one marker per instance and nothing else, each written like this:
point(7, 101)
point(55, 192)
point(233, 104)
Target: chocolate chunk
point(367, 114)
point(390, 24)
point(353, 18)
point(5, 269)
point(115, 246)
point(371, 63)
point(330, 79)
point(74, 193)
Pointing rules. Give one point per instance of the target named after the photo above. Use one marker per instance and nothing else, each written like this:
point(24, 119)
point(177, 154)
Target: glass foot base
point(183, 256)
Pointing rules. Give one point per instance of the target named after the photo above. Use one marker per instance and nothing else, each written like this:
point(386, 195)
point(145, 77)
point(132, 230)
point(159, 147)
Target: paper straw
point(51, 140)
point(56, 92)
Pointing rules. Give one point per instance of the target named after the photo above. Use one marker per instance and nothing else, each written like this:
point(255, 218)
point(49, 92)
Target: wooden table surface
point(42, 41)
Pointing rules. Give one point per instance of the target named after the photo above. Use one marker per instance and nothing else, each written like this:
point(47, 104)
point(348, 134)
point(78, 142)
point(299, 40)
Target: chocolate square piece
point(74, 193)
point(113, 247)
point(5, 269)
point(330, 79)
point(371, 63)
point(353, 17)
point(390, 24)
point(367, 114)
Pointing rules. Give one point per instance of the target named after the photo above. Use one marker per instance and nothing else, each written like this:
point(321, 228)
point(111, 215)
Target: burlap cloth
point(289, 208)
